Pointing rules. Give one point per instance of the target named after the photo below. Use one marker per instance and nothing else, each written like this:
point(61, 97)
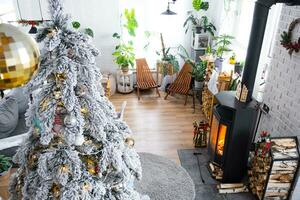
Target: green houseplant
point(238, 67)
point(124, 51)
point(124, 54)
point(199, 25)
point(200, 5)
point(198, 72)
point(5, 166)
point(222, 44)
point(131, 22)
point(168, 60)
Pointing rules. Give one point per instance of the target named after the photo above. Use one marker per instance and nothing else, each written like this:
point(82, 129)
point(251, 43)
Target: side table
point(125, 82)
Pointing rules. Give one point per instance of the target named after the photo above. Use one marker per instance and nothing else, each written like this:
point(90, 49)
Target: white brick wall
point(282, 93)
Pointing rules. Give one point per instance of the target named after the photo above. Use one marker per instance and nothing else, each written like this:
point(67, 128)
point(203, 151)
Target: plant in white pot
point(198, 72)
point(124, 55)
point(222, 44)
point(124, 51)
point(5, 167)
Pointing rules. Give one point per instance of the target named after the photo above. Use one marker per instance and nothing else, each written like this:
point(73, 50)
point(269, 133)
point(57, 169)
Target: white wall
point(100, 15)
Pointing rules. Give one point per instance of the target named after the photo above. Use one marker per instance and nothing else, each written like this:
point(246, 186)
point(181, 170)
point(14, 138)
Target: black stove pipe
point(260, 18)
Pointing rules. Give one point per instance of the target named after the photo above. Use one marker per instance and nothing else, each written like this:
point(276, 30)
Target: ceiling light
point(168, 11)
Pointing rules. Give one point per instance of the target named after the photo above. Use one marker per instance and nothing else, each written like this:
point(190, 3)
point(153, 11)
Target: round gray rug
point(164, 180)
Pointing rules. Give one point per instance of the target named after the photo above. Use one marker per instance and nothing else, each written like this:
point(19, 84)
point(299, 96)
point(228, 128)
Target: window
point(148, 14)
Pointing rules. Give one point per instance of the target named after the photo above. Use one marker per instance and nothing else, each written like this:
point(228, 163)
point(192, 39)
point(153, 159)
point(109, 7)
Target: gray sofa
point(12, 120)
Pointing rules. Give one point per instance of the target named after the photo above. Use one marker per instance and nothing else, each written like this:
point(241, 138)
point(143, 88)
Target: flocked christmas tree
point(76, 146)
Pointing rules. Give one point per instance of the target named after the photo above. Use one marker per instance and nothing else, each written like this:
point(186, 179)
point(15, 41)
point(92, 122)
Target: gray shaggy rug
point(164, 180)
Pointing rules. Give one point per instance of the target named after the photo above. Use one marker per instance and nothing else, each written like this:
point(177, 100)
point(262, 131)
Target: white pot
point(199, 84)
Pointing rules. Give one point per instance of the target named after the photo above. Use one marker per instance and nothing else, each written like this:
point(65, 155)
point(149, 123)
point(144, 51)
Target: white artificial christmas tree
point(76, 148)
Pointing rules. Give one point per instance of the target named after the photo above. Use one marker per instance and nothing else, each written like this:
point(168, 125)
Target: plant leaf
point(76, 24)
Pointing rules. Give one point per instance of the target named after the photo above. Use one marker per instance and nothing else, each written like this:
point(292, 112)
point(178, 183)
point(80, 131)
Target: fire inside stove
point(218, 136)
point(221, 139)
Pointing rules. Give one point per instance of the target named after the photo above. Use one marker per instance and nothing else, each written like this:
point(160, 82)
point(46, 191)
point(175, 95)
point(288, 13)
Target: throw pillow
point(21, 97)
point(9, 115)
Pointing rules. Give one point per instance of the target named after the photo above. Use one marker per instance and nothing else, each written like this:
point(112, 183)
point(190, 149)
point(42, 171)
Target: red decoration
point(58, 120)
point(286, 39)
point(30, 22)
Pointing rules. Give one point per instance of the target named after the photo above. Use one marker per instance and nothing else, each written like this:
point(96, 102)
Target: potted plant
point(5, 167)
point(124, 55)
point(199, 25)
point(124, 51)
point(198, 72)
point(168, 61)
point(200, 5)
point(222, 44)
point(238, 67)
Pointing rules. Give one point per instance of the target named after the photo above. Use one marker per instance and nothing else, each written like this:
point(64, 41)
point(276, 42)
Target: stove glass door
point(221, 139)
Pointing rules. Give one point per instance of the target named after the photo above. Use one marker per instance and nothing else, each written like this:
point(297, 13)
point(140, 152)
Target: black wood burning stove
point(231, 132)
point(233, 122)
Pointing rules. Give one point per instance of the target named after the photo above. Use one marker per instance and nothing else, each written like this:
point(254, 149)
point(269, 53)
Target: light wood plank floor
point(159, 126)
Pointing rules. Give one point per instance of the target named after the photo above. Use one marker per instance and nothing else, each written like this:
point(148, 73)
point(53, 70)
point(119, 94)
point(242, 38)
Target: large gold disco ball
point(19, 57)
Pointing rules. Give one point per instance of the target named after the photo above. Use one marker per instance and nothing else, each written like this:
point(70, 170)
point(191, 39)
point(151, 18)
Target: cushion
point(21, 97)
point(9, 114)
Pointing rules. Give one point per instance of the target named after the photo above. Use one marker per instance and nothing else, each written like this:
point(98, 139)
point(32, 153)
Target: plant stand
point(125, 82)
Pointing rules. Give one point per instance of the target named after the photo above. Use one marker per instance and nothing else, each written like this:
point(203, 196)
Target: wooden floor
point(159, 126)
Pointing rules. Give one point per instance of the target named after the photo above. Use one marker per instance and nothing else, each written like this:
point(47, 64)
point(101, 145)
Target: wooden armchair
point(182, 83)
point(144, 77)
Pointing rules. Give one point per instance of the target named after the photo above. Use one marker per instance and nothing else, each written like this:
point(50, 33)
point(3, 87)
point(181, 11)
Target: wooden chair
point(144, 77)
point(182, 83)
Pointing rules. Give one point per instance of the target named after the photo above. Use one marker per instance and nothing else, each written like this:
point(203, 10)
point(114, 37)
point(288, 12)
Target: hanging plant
point(286, 38)
point(200, 5)
point(131, 22)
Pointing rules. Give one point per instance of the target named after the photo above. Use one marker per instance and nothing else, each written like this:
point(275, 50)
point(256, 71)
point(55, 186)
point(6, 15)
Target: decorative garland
point(286, 38)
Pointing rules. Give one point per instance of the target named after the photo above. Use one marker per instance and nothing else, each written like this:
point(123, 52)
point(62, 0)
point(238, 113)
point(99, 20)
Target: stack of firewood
point(207, 96)
point(207, 103)
point(225, 188)
point(259, 173)
point(272, 174)
point(216, 171)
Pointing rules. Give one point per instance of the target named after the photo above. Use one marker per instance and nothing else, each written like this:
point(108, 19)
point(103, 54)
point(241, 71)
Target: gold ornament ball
point(129, 141)
point(19, 57)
